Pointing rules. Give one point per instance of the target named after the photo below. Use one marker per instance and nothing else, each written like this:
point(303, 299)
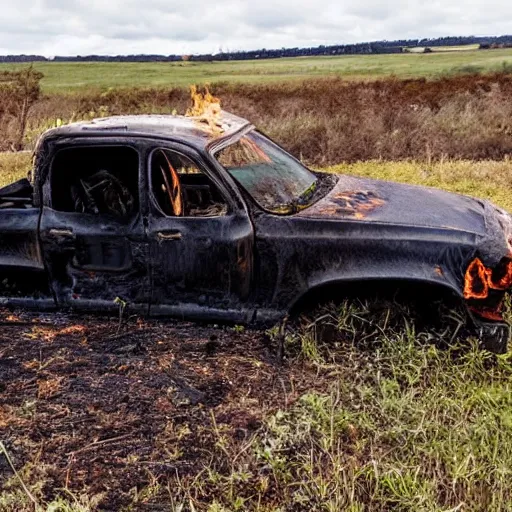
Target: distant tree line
point(376, 47)
point(22, 58)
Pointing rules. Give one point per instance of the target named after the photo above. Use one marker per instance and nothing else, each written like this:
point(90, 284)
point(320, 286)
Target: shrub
point(19, 91)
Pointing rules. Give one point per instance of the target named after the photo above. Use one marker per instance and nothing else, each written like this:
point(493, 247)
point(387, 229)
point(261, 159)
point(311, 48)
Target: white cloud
point(71, 27)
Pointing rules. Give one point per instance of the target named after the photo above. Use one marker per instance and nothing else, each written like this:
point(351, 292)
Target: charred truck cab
point(206, 218)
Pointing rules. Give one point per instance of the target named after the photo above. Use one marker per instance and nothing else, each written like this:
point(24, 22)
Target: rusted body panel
point(249, 264)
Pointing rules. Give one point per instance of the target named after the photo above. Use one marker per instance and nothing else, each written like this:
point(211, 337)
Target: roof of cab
point(195, 131)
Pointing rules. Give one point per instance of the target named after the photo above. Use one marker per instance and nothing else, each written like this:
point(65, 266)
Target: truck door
point(92, 229)
point(201, 245)
point(23, 278)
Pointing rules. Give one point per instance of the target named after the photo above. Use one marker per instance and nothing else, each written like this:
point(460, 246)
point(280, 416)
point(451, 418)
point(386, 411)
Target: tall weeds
point(326, 121)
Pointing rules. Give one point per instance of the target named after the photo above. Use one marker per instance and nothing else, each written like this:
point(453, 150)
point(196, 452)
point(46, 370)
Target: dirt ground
point(106, 410)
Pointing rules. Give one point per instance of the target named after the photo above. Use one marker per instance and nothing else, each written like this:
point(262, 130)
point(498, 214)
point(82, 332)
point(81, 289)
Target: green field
point(67, 77)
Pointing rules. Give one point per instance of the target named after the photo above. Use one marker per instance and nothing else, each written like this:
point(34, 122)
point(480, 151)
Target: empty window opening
point(96, 180)
point(180, 188)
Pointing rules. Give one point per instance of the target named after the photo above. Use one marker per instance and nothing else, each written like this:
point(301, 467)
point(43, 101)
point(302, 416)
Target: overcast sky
point(109, 27)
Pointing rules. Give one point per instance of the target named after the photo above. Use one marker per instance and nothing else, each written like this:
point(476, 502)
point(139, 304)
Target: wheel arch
point(336, 290)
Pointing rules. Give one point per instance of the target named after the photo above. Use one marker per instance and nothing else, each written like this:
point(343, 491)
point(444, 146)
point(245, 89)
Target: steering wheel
point(173, 188)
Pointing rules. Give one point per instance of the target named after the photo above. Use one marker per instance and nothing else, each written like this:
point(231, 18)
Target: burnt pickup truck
point(180, 217)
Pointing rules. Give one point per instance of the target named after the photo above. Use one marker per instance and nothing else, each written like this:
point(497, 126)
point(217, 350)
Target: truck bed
point(17, 195)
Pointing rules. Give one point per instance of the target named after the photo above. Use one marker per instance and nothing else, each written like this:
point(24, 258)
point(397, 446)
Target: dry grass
point(331, 120)
point(181, 423)
point(14, 166)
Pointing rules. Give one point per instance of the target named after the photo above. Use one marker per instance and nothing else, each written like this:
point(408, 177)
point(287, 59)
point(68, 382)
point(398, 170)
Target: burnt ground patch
point(105, 411)
point(368, 410)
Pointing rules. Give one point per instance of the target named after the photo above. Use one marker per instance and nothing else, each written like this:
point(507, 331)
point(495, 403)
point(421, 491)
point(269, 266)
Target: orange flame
point(479, 279)
point(476, 281)
point(174, 190)
point(502, 276)
point(205, 107)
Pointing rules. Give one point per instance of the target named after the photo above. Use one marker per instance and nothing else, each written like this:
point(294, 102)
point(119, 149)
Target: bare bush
point(19, 91)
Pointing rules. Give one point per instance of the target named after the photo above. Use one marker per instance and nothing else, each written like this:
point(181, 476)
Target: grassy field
point(371, 409)
point(14, 166)
point(71, 77)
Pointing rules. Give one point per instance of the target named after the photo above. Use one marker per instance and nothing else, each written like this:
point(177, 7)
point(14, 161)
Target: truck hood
point(354, 198)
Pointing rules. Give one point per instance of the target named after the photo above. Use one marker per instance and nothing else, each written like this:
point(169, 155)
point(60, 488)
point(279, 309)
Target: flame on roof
point(205, 108)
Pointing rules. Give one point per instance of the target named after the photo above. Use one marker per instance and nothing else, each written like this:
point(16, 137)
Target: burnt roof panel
point(193, 130)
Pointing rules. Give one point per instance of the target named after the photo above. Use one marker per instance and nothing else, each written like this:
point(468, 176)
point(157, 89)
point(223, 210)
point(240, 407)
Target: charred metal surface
point(392, 203)
point(236, 262)
point(92, 262)
point(22, 272)
point(307, 254)
point(350, 203)
point(200, 260)
point(494, 336)
point(16, 195)
point(477, 261)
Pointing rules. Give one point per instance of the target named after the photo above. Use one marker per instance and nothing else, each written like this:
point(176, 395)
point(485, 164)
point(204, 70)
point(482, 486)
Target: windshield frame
point(218, 145)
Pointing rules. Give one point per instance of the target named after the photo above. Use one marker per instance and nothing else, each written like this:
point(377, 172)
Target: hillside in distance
point(375, 47)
